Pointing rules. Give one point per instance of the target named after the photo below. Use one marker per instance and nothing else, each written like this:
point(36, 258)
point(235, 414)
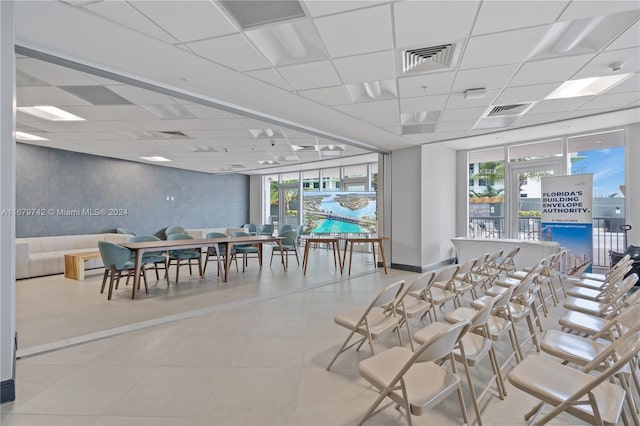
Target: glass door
point(289, 204)
point(524, 196)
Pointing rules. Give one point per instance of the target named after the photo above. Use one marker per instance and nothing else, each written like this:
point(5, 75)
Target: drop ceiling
point(188, 81)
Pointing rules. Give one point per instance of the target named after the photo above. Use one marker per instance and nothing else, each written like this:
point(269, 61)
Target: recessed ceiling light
point(22, 136)
point(478, 93)
point(50, 113)
point(586, 86)
point(155, 158)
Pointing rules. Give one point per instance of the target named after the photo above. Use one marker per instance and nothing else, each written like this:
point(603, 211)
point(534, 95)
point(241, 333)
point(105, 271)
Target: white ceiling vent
point(513, 109)
point(431, 58)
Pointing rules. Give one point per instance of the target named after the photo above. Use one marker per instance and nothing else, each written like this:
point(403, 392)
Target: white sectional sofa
point(37, 256)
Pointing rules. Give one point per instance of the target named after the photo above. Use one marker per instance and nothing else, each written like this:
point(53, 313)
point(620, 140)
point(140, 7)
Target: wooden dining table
point(140, 248)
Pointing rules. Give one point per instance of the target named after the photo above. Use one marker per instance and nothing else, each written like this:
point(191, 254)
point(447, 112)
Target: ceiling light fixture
point(22, 136)
point(154, 158)
point(478, 93)
point(372, 89)
point(586, 86)
point(50, 113)
point(575, 33)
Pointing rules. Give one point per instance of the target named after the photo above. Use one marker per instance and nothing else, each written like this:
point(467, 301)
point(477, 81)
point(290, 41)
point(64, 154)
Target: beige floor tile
point(49, 420)
point(270, 352)
point(143, 421)
point(204, 351)
point(253, 392)
point(168, 392)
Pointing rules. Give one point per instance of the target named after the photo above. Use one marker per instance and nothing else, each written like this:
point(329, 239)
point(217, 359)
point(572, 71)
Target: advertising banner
point(567, 215)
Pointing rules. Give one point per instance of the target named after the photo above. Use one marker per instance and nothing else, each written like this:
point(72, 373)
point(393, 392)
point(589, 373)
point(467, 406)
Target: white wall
point(423, 212)
point(255, 200)
point(438, 203)
point(406, 177)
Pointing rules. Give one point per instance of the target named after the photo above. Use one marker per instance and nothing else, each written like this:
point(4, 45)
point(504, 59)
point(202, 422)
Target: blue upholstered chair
point(116, 259)
point(288, 245)
point(155, 258)
point(246, 249)
point(125, 231)
point(211, 252)
point(251, 228)
point(284, 228)
point(184, 256)
point(266, 229)
point(174, 230)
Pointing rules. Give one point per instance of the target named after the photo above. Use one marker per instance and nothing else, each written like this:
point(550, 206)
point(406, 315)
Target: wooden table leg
point(305, 260)
point(284, 264)
point(373, 251)
point(136, 271)
point(350, 257)
point(227, 261)
point(337, 249)
point(384, 262)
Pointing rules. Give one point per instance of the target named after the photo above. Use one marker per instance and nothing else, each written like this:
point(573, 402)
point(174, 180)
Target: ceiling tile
point(509, 47)
point(137, 95)
point(360, 31)
point(587, 9)
point(488, 78)
point(309, 76)
point(122, 13)
point(535, 92)
point(423, 103)
point(600, 65)
point(549, 70)
point(370, 67)
point(425, 84)
point(270, 76)
point(233, 51)
point(203, 111)
point(630, 38)
point(52, 74)
point(520, 14)
point(559, 105)
point(384, 120)
point(451, 135)
point(187, 20)
point(631, 84)
point(427, 23)
point(387, 107)
point(110, 112)
point(50, 96)
point(462, 114)
point(532, 119)
point(457, 100)
point(454, 126)
point(327, 96)
point(615, 101)
point(325, 7)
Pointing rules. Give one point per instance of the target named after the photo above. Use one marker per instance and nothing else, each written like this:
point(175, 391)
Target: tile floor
point(250, 352)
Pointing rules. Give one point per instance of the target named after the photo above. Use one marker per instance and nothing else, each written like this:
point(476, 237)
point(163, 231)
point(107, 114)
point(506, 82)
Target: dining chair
point(373, 321)
point(184, 256)
point(246, 249)
point(284, 227)
point(155, 258)
point(222, 251)
point(174, 230)
point(251, 228)
point(116, 259)
point(288, 245)
point(266, 229)
point(125, 231)
point(583, 393)
point(475, 345)
point(416, 381)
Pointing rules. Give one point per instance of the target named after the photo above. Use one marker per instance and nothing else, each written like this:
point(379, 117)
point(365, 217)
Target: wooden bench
point(74, 264)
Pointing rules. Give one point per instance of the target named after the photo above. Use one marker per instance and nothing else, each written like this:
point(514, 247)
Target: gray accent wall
point(66, 193)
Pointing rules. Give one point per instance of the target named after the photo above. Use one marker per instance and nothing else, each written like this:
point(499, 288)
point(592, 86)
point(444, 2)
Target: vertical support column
point(7, 202)
point(632, 181)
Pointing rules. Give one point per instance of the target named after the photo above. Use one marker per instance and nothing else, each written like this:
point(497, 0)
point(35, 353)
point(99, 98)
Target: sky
point(607, 166)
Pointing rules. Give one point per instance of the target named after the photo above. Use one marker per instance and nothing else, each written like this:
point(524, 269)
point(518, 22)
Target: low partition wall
point(530, 251)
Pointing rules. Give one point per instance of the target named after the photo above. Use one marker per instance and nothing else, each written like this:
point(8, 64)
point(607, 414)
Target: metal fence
point(606, 233)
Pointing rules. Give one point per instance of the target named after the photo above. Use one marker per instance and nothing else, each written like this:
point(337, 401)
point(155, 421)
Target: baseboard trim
point(426, 268)
point(7, 391)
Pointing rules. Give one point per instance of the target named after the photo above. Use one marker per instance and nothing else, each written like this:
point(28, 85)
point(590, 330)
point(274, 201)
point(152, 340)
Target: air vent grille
point(502, 110)
point(428, 58)
point(174, 134)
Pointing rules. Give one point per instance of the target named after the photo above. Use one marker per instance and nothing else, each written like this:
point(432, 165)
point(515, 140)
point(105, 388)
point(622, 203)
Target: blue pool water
point(330, 225)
